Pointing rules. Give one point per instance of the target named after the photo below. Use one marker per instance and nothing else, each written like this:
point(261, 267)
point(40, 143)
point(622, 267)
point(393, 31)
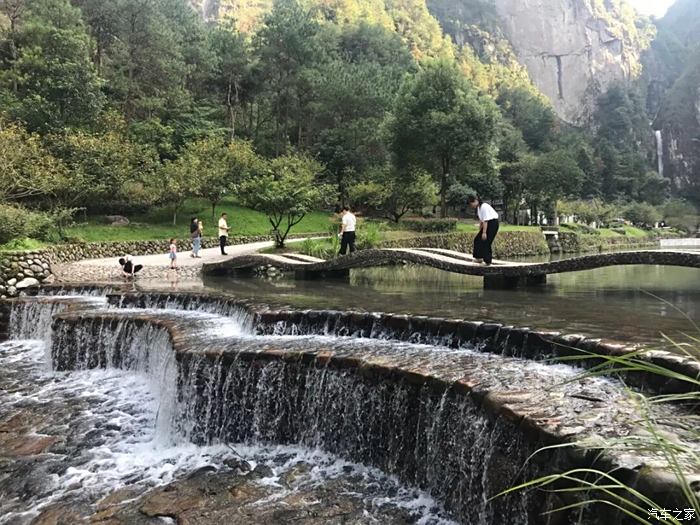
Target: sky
point(652, 7)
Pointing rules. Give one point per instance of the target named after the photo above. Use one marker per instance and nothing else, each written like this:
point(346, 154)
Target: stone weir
point(499, 275)
point(461, 424)
point(492, 338)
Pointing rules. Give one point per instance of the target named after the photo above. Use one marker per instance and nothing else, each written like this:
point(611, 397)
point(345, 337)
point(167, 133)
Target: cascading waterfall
point(660, 151)
point(31, 318)
point(433, 417)
point(426, 435)
point(138, 348)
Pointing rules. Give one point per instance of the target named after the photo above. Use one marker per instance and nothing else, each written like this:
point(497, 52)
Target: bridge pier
point(509, 282)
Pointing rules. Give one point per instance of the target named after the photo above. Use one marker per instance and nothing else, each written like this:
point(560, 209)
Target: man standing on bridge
point(347, 231)
point(488, 228)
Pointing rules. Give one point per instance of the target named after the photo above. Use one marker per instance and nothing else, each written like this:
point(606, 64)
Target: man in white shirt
point(347, 231)
point(223, 233)
point(488, 228)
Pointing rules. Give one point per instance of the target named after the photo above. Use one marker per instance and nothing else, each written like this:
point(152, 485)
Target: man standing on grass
point(223, 233)
point(347, 231)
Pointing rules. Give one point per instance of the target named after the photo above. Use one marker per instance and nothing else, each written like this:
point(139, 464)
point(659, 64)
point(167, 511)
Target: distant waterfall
point(660, 151)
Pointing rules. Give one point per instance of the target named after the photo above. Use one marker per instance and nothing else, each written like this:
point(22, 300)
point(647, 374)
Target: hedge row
point(507, 244)
point(571, 242)
point(429, 225)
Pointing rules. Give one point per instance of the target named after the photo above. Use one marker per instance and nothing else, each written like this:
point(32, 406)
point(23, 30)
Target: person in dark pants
point(488, 228)
point(129, 269)
point(223, 233)
point(347, 231)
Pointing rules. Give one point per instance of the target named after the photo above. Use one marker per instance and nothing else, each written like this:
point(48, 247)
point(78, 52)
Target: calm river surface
point(630, 303)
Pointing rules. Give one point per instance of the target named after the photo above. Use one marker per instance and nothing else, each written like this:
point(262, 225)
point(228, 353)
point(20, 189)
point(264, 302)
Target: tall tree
point(443, 125)
point(46, 72)
point(286, 191)
point(285, 46)
point(353, 93)
point(231, 74)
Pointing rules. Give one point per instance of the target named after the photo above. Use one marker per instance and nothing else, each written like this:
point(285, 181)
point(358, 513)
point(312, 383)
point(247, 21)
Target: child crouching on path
point(173, 254)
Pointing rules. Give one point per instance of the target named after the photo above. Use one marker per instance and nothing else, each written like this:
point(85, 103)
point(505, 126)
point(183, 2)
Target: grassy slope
point(157, 224)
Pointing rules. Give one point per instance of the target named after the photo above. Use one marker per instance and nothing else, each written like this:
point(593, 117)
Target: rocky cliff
point(572, 49)
point(672, 82)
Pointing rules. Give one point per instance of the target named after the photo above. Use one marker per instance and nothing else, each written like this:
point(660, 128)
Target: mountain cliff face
point(572, 49)
point(672, 82)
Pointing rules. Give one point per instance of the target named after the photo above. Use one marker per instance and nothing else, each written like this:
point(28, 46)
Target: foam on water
point(107, 422)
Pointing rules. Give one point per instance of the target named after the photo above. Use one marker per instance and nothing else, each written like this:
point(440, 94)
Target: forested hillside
point(120, 105)
point(672, 82)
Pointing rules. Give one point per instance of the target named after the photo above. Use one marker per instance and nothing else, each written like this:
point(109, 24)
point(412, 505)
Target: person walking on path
point(223, 233)
point(488, 228)
point(173, 254)
point(196, 234)
point(347, 231)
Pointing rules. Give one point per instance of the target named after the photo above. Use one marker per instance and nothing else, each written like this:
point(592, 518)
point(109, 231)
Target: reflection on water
point(633, 303)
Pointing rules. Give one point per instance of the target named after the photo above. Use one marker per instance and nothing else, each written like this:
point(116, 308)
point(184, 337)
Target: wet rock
point(171, 502)
point(202, 471)
point(117, 498)
point(26, 445)
point(26, 283)
point(262, 471)
point(57, 515)
point(294, 473)
point(241, 466)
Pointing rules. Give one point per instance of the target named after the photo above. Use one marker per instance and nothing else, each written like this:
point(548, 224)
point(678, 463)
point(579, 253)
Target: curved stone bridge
point(501, 274)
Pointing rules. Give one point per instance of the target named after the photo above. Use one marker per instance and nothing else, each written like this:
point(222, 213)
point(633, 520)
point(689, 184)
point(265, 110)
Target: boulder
point(116, 220)
point(12, 282)
point(26, 283)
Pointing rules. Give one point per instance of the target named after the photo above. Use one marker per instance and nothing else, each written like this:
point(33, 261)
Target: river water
point(627, 303)
point(69, 439)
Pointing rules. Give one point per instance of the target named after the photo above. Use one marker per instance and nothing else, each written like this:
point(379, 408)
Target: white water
point(660, 151)
point(115, 427)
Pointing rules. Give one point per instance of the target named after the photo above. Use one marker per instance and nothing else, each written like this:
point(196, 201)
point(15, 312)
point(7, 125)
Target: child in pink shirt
point(173, 254)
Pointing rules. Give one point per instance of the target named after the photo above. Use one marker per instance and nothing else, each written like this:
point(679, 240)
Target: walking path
point(154, 266)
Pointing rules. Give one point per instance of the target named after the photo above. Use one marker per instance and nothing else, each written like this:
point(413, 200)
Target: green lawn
point(157, 223)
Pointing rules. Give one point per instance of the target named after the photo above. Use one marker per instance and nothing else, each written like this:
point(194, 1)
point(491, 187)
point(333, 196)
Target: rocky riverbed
point(80, 447)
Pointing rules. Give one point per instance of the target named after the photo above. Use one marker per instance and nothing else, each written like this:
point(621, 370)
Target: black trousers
point(483, 248)
point(347, 241)
point(223, 239)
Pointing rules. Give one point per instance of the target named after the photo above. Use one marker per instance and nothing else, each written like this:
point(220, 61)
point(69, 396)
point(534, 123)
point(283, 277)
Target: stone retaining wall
point(21, 270)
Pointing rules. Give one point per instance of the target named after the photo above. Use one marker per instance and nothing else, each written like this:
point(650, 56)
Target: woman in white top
point(488, 228)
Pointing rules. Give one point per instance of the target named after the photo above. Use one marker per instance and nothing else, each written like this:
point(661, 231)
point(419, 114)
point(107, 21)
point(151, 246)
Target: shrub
point(581, 228)
point(681, 215)
point(23, 244)
point(13, 223)
point(322, 249)
point(642, 214)
point(369, 236)
point(430, 225)
point(17, 222)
